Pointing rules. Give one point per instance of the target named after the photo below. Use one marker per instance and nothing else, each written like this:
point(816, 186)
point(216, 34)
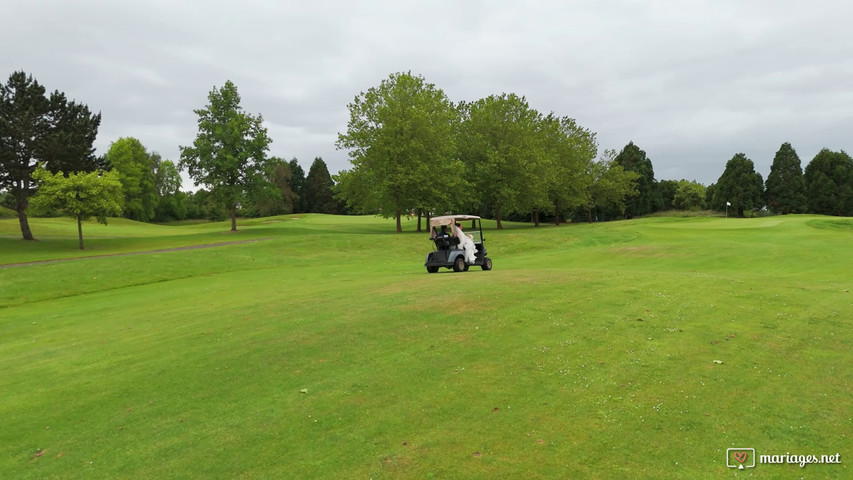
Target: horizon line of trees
point(413, 153)
point(47, 141)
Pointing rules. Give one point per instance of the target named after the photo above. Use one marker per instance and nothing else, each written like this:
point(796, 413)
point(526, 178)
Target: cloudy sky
point(690, 82)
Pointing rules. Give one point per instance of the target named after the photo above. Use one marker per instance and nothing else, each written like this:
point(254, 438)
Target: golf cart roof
point(448, 219)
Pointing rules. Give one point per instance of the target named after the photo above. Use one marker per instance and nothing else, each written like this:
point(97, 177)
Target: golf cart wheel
point(459, 264)
point(487, 263)
point(432, 269)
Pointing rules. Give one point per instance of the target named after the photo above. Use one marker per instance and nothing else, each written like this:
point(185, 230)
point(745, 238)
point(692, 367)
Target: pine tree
point(35, 128)
point(785, 189)
point(648, 198)
point(739, 185)
point(318, 189)
point(829, 183)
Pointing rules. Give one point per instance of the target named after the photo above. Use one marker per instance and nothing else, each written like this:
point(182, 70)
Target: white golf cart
point(446, 238)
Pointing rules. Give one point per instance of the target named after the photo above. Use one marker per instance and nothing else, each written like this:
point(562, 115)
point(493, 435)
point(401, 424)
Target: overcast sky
point(690, 82)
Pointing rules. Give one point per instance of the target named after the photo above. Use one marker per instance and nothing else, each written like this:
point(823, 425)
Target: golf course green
point(318, 347)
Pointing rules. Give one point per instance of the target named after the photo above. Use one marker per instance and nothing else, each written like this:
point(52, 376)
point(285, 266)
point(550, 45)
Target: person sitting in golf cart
point(443, 240)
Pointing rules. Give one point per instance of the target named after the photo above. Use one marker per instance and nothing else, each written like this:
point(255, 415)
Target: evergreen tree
point(318, 189)
point(739, 185)
point(297, 186)
point(785, 189)
point(648, 197)
point(35, 128)
point(829, 183)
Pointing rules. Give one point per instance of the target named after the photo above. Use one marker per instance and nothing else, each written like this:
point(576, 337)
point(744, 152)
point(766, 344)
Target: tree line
point(412, 151)
point(824, 187)
point(48, 165)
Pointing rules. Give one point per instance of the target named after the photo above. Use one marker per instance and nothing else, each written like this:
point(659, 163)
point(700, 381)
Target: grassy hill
point(7, 213)
point(321, 348)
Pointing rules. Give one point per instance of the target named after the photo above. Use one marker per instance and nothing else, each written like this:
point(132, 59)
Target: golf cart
point(445, 237)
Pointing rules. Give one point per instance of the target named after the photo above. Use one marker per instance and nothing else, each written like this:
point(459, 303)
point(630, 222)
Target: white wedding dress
point(466, 243)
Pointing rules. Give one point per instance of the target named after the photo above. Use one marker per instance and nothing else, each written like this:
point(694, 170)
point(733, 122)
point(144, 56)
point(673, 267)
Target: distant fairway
point(321, 349)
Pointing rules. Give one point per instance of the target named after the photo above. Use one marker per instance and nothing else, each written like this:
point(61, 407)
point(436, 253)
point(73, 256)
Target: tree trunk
point(536, 217)
point(556, 214)
point(21, 207)
point(420, 212)
point(80, 231)
point(589, 215)
point(234, 218)
point(399, 223)
point(498, 218)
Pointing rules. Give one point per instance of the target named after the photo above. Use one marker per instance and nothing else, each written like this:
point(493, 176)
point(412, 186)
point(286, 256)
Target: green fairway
point(319, 348)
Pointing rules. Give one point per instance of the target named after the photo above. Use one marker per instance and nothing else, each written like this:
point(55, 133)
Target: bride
point(466, 243)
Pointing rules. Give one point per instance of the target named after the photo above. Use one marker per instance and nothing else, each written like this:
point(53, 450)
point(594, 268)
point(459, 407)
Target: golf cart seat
point(445, 243)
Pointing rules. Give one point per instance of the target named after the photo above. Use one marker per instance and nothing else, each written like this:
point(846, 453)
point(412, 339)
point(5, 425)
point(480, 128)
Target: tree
point(318, 189)
point(138, 176)
point(829, 183)
point(202, 205)
point(400, 138)
point(667, 189)
point(35, 128)
point(171, 202)
point(785, 189)
point(607, 185)
point(571, 148)
point(648, 198)
point(689, 196)
point(229, 154)
point(739, 185)
point(79, 195)
point(297, 186)
point(502, 146)
point(278, 197)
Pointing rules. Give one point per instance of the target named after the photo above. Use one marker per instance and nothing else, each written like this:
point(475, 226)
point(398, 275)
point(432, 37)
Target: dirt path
point(145, 252)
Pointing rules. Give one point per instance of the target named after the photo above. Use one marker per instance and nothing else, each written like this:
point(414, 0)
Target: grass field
point(322, 349)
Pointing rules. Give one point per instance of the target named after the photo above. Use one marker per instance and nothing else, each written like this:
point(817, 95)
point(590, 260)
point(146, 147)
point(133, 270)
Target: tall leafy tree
point(570, 149)
point(829, 183)
point(503, 149)
point(297, 186)
point(667, 190)
point(648, 198)
point(739, 185)
point(689, 196)
point(278, 197)
point(785, 189)
point(81, 196)
point(171, 201)
point(318, 189)
point(400, 137)
point(137, 171)
point(607, 185)
point(36, 128)
point(229, 154)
